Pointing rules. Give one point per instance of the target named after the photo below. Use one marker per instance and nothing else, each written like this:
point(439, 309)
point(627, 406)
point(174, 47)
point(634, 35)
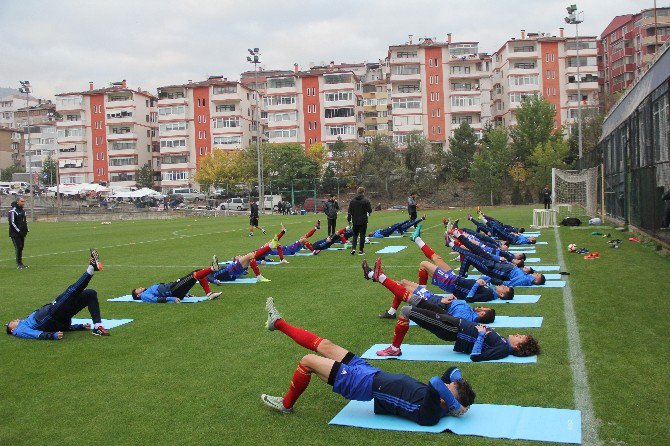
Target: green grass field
point(193, 373)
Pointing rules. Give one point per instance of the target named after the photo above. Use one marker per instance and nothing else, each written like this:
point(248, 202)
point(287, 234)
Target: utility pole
point(254, 58)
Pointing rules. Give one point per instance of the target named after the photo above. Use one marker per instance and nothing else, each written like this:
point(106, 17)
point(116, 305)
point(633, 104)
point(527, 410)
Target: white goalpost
point(575, 192)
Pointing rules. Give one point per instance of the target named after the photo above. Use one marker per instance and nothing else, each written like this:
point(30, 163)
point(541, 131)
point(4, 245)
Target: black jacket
point(254, 210)
point(359, 209)
point(18, 225)
point(331, 208)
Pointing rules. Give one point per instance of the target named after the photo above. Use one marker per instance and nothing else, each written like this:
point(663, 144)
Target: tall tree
point(534, 125)
point(545, 157)
point(417, 153)
point(144, 176)
point(379, 164)
point(490, 167)
point(462, 147)
point(49, 171)
point(6, 173)
point(288, 163)
point(592, 127)
point(221, 167)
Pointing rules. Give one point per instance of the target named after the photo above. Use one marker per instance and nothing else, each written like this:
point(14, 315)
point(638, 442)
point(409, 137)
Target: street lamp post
point(25, 88)
point(254, 58)
point(574, 19)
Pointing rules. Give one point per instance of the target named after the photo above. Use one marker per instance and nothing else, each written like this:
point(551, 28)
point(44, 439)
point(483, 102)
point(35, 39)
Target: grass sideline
point(193, 374)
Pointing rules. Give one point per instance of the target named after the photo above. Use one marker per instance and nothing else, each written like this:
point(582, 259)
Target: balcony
point(405, 60)
point(120, 136)
point(123, 168)
point(126, 103)
point(120, 117)
point(172, 101)
point(405, 77)
point(224, 95)
point(583, 86)
point(511, 54)
point(523, 70)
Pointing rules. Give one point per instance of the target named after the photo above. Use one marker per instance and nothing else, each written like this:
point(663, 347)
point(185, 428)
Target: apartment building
point(319, 105)
point(106, 134)
point(376, 100)
point(39, 123)
point(196, 117)
point(9, 104)
point(545, 65)
point(628, 44)
point(11, 147)
point(435, 86)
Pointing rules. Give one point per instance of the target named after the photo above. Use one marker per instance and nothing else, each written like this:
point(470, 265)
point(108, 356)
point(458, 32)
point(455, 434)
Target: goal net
point(575, 192)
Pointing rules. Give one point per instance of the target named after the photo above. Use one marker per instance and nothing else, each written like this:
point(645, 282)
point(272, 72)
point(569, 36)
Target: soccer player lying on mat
point(175, 291)
point(494, 272)
point(509, 228)
point(289, 250)
point(52, 319)
point(241, 264)
point(449, 304)
point(401, 227)
point(479, 341)
point(499, 253)
point(444, 278)
point(496, 229)
point(355, 379)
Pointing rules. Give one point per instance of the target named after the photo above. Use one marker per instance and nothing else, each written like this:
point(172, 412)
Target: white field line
point(581, 391)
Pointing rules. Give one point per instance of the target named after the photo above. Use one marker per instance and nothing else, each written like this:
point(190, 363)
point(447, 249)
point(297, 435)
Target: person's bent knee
point(90, 294)
point(405, 311)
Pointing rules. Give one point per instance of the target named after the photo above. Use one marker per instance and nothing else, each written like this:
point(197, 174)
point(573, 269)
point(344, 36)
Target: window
point(166, 111)
point(519, 97)
point(583, 45)
point(123, 145)
point(173, 126)
point(174, 159)
point(202, 134)
point(524, 65)
point(225, 108)
point(279, 117)
point(227, 140)
point(523, 49)
point(549, 57)
point(583, 78)
point(407, 120)
point(339, 112)
point(226, 89)
point(531, 79)
point(337, 78)
point(283, 133)
point(339, 96)
point(461, 119)
point(407, 103)
point(117, 98)
point(458, 69)
point(410, 88)
point(406, 69)
point(73, 118)
point(166, 143)
point(336, 130)
point(281, 82)
point(278, 100)
point(464, 101)
point(129, 161)
point(461, 86)
point(406, 54)
point(311, 108)
point(582, 61)
point(70, 132)
point(174, 175)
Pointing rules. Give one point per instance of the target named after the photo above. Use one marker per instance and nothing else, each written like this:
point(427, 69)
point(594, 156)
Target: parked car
point(235, 204)
point(189, 194)
point(309, 204)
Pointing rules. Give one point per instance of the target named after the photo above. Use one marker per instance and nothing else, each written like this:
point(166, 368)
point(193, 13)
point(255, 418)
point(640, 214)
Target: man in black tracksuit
point(18, 229)
point(330, 209)
point(359, 209)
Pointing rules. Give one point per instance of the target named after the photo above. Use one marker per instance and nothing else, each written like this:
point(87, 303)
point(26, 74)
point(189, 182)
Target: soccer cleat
point(213, 295)
point(318, 224)
point(583, 251)
point(455, 224)
point(251, 234)
point(316, 252)
point(386, 315)
point(100, 331)
point(366, 270)
point(94, 260)
point(273, 314)
point(215, 263)
point(276, 403)
point(262, 279)
point(470, 217)
point(446, 221)
point(361, 253)
point(22, 266)
point(353, 252)
point(283, 228)
point(416, 233)
point(274, 243)
point(263, 230)
point(423, 217)
point(378, 270)
point(447, 239)
point(479, 211)
point(390, 351)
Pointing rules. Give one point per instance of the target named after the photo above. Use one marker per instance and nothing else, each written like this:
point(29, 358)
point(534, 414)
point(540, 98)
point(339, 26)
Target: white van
point(271, 201)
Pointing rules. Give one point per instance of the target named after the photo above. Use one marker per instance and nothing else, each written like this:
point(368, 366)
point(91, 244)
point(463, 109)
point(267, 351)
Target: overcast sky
point(61, 45)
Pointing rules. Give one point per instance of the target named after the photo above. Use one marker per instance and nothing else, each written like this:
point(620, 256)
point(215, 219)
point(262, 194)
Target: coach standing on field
point(359, 209)
point(18, 229)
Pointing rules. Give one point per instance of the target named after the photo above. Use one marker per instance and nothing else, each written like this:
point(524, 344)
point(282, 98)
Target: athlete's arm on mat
point(79, 327)
point(30, 333)
point(492, 352)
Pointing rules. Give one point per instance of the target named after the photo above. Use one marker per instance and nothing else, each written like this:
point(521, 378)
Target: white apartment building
point(10, 104)
point(197, 117)
point(545, 65)
point(106, 134)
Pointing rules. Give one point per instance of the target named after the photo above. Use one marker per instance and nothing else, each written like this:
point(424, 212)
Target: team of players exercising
point(450, 318)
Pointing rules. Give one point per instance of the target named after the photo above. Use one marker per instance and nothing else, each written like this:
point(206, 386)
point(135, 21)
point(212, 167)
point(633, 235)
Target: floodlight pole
point(255, 59)
point(25, 88)
point(573, 19)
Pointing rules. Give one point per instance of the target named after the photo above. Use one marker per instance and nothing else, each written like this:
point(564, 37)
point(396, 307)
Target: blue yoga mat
point(511, 322)
point(442, 353)
point(544, 268)
point(536, 243)
point(532, 260)
point(548, 277)
point(240, 281)
point(391, 249)
point(523, 250)
point(483, 420)
point(532, 234)
point(394, 236)
point(303, 254)
point(518, 299)
point(107, 323)
point(337, 248)
point(547, 284)
point(186, 300)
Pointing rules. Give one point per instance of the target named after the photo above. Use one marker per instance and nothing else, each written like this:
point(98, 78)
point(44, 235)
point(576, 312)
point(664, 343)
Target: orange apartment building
point(106, 134)
point(197, 117)
point(545, 65)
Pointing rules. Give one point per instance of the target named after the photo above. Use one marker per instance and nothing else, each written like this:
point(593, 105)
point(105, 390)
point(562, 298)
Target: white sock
point(382, 278)
point(370, 274)
point(456, 233)
point(420, 243)
point(484, 219)
point(96, 326)
point(391, 311)
point(90, 270)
